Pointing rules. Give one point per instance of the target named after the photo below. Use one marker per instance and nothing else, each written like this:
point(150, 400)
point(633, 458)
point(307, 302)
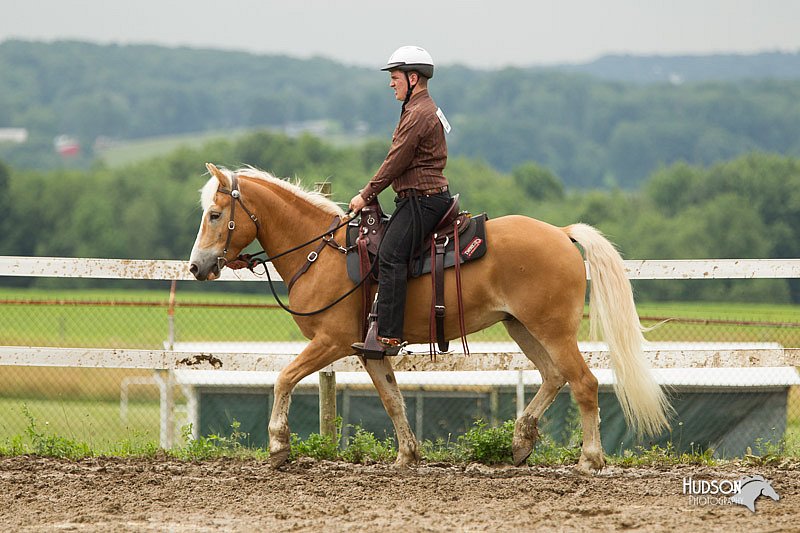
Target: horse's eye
point(213, 215)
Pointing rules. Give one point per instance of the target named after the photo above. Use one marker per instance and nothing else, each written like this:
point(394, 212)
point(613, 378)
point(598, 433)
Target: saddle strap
point(439, 309)
point(457, 266)
point(438, 249)
point(366, 289)
point(432, 319)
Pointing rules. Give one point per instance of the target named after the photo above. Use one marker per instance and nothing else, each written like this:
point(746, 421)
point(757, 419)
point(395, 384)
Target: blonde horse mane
point(314, 198)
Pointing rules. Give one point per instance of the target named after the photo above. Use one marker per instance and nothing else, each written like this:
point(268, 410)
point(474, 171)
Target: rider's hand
point(357, 203)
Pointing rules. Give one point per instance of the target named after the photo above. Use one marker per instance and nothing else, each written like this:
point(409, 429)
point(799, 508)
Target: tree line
point(590, 132)
point(747, 207)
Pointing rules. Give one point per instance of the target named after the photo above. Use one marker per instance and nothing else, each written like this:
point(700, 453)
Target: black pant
point(412, 220)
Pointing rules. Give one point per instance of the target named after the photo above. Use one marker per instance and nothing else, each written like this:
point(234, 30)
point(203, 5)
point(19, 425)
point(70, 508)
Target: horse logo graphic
point(751, 488)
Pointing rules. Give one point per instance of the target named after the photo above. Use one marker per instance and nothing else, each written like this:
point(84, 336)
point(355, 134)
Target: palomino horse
point(532, 279)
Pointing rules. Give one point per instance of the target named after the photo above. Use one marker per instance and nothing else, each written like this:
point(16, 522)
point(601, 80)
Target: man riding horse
point(414, 168)
point(532, 279)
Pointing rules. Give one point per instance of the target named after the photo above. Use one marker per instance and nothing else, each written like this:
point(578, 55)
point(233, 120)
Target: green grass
point(734, 311)
point(96, 423)
point(481, 444)
point(787, 334)
point(146, 327)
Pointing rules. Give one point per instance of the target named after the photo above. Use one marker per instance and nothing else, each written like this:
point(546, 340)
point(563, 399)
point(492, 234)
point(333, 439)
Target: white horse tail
point(611, 306)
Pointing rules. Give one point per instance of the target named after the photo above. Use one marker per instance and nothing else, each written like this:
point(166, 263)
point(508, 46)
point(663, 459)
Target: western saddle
point(370, 230)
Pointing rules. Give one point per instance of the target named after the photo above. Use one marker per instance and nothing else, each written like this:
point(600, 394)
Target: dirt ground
point(38, 494)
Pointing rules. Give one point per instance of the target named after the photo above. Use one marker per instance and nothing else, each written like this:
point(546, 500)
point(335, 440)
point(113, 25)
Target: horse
point(532, 279)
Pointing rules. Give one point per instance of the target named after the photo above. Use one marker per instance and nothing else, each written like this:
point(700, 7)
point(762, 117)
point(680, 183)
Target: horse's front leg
point(382, 374)
point(316, 356)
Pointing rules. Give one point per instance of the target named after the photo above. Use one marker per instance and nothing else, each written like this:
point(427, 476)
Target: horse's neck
point(288, 221)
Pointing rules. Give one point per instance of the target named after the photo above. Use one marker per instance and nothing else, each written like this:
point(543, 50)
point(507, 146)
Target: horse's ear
point(221, 176)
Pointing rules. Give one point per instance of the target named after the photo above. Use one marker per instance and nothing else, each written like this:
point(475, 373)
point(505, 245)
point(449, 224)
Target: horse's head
point(227, 226)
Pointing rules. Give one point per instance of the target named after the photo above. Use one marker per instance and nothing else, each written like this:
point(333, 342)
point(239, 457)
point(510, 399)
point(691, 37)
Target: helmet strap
point(408, 91)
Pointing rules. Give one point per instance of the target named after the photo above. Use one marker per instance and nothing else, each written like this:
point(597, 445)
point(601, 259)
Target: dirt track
point(39, 494)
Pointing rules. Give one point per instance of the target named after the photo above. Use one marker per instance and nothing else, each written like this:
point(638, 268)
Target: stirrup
point(380, 349)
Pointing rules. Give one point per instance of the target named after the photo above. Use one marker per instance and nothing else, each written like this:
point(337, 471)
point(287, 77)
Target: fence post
point(167, 378)
point(167, 407)
point(327, 379)
point(171, 316)
point(327, 403)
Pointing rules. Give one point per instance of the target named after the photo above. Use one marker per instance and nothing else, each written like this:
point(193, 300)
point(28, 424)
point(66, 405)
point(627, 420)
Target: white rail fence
point(67, 267)
point(490, 358)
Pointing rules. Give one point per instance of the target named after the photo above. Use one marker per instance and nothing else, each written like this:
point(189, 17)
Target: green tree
point(538, 182)
point(671, 189)
point(5, 207)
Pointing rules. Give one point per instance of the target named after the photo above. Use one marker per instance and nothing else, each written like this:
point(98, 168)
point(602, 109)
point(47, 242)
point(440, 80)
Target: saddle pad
point(472, 242)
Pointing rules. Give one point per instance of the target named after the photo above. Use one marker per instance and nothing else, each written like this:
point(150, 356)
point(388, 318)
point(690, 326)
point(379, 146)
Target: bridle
point(250, 261)
point(236, 195)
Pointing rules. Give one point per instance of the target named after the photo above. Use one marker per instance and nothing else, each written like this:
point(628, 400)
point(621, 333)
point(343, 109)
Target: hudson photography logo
point(743, 491)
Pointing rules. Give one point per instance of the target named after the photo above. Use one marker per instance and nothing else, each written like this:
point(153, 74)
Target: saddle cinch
point(457, 230)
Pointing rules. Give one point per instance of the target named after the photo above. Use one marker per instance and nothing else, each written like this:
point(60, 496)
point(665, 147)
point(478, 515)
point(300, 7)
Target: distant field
point(750, 322)
point(126, 152)
point(144, 326)
point(136, 326)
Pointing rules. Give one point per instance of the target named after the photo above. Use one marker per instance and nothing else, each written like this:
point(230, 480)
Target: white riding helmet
point(408, 58)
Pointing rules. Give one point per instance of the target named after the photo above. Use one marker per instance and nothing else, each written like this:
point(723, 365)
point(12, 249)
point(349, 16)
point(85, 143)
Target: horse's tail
point(611, 306)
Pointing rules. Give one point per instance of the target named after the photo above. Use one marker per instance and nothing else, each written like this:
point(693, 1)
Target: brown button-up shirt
point(418, 153)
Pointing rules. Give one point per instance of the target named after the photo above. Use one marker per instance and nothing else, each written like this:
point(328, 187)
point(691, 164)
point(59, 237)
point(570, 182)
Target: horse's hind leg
point(568, 359)
point(382, 374)
point(525, 429)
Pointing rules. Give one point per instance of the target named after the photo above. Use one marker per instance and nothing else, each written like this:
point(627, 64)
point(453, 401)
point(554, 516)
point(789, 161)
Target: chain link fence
point(717, 408)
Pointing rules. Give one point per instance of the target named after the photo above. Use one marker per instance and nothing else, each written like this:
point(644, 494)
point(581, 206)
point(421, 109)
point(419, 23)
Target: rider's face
point(399, 83)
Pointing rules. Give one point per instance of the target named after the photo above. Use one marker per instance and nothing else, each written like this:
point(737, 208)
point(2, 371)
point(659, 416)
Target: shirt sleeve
point(404, 146)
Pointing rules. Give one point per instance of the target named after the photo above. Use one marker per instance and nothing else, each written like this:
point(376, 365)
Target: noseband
point(236, 194)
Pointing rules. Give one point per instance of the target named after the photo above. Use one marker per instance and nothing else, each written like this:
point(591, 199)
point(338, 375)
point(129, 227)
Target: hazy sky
point(477, 33)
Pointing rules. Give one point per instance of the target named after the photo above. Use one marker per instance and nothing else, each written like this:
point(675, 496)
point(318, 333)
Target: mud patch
point(232, 495)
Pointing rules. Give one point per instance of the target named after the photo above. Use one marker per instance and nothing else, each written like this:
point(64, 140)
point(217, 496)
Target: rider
point(414, 168)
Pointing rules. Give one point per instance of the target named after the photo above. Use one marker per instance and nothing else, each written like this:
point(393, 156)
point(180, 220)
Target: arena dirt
point(38, 494)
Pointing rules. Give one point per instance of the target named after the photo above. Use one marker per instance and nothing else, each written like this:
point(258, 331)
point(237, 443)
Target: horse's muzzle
point(204, 274)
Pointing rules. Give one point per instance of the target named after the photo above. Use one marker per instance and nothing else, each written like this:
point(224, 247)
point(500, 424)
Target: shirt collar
point(418, 94)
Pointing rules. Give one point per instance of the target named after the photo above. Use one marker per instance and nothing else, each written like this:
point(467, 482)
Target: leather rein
point(251, 261)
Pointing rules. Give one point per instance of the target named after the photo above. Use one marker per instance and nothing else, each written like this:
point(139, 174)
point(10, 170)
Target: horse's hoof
point(404, 461)
point(526, 433)
point(278, 458)
point(585, 470)
point(521, 453)
point(588, 467)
